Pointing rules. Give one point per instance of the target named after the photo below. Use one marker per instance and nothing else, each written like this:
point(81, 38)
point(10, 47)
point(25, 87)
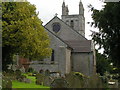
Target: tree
point(23, 33)
point(102, 63)
point(107, 21)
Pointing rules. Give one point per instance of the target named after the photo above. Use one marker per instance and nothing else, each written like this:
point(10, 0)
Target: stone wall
point(50, 67)
point(83, 62)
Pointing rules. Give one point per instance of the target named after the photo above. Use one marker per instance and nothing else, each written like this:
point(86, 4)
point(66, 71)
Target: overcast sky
point(48, 8)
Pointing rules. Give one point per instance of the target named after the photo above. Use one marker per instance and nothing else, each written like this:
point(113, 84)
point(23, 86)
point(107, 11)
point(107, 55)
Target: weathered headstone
point(59, 83)
point(41, 71)
point(47, 73)
point(26, 80)
point(47, 81)
point(95, 82)
point(40, 79)
point(22, 69)
point(75, 80)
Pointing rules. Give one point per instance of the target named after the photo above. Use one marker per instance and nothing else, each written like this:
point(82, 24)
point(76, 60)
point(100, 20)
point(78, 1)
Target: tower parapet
point(81, 8)
point(65, 10)
point(77, 21)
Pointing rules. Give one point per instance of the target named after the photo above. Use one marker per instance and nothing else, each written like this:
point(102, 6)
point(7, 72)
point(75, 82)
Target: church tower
point(81, 8)
point(65, 10)
point(76, 21)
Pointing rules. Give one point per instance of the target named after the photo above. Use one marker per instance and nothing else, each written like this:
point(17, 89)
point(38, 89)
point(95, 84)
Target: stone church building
point(71, 51)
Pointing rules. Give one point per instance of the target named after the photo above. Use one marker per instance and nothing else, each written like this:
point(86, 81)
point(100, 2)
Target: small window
point(52, 57)
point(72, 23)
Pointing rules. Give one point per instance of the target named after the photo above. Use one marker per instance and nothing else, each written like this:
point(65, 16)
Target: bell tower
point(65, 10)
point(82, 19)
point(81, 9)
point(75, 21)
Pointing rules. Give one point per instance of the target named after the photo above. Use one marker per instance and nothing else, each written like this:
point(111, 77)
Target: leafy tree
point(102, 63)
point(107, 21)
point(23, 33)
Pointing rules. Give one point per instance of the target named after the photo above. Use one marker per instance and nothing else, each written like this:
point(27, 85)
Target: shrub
point(31, 70)
point(11, 75)
point(29, 74)
point(34, 73)
point(17, 72)
point(21, 78)
point(10, 71)
point(6, 82)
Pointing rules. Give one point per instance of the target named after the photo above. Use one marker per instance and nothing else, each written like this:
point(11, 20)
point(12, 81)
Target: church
point(71, 51)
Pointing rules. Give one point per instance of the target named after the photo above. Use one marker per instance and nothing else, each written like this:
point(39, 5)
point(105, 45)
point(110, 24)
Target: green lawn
point(16, 84)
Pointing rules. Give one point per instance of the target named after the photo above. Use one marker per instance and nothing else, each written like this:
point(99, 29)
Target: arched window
point(72, 23)
point(52, 56)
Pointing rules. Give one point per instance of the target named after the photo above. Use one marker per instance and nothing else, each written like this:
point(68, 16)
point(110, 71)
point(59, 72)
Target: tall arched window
point(52, 56)
point(72, 23)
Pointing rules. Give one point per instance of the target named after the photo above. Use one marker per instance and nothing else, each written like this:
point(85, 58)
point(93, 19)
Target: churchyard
point(21, 27)
point(46, 80)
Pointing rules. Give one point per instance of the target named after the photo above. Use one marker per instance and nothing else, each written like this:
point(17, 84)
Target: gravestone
point(47, 81)
point(75, 81)
point(26, 80)
point(40, 79)
point(22, 69)
point(41, 71)
point(59, 83)
point(95, 82)
point(47, 73)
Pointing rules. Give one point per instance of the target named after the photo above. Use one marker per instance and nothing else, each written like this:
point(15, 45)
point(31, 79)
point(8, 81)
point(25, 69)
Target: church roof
point(58, 38)
point(75, 45)
point(65, 24)
point(80, 46)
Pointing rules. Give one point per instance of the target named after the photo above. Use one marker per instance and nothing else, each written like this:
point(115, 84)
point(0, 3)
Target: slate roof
point(58, 38)
point(80, 46)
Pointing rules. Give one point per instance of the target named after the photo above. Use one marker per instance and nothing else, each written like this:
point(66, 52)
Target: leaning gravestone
point(72, 80)
point(95, 82)
point(22, 69)
point(41, 71)
point(59, 83)
point(47, 81)
point(75, 81)
point(40, 79)
point(47, 73)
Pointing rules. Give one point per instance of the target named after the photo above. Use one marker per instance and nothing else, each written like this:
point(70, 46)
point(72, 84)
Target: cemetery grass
point(17, 84)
